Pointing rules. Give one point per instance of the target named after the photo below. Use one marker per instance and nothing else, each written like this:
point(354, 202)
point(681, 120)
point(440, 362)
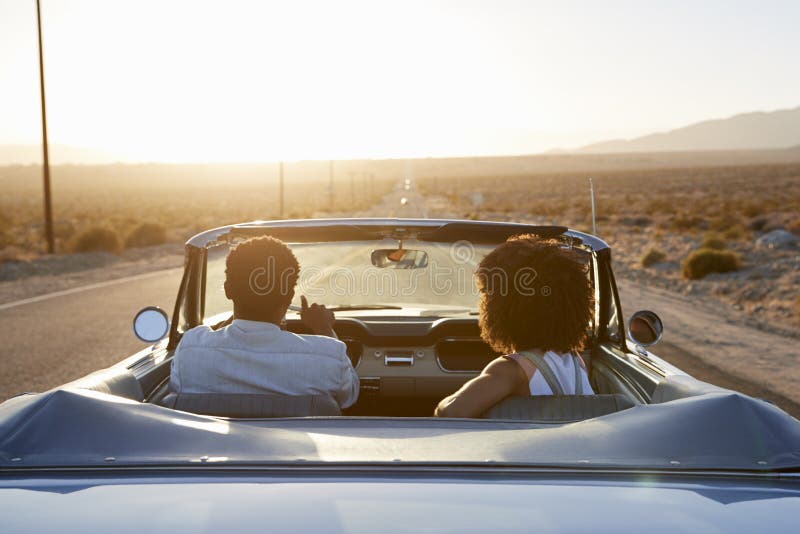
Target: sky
point(200, 81)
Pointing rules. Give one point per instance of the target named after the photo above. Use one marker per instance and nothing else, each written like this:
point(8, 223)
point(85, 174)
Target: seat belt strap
point(547, 372)
point(578, 377)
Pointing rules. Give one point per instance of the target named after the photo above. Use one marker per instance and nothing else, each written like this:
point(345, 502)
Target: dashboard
point(411, 356)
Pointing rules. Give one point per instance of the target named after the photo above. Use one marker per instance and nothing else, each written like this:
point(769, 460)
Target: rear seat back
point(558, 408)
point(252, 405)
point(113, 381)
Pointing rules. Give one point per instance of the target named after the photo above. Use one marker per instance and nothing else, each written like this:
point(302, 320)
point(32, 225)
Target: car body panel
point(691, 426)
point(99, 454)
point(490, 503)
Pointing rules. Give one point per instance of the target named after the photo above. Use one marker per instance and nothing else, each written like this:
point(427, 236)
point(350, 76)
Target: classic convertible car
point(654, 450)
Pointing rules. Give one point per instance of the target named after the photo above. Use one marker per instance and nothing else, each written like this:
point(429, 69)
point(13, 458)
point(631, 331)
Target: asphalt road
point(44, 343)
point(51, 339)
point(55, 338)
point(65, 336)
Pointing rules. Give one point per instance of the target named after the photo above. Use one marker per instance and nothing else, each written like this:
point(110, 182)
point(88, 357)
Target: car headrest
point(252, 405)
point(557, 408)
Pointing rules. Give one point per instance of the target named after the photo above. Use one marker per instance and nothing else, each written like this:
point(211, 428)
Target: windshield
point(342, 275)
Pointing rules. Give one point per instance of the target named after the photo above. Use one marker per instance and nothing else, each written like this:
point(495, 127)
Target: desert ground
point(737, 328)
point(654, 219)
point(173, 202)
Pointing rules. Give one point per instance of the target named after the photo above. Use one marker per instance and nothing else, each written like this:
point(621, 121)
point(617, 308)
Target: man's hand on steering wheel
point(317, 317)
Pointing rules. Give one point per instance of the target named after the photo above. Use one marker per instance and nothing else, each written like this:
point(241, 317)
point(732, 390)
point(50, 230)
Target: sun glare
point(263, 81)
point(202, 81)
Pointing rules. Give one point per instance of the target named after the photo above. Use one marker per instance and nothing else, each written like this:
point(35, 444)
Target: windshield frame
point(191, 299)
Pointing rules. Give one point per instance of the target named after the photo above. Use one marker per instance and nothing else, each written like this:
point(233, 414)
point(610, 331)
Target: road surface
point(64, 336)
point(54, 338)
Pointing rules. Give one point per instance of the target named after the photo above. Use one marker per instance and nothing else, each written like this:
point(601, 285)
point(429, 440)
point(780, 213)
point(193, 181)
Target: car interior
point(406, 363)
point(406, 366)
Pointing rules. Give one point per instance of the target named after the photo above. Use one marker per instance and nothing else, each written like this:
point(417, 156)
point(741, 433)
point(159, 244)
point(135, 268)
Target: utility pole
point(281, 211)
point(48, 205)
point(330, 186)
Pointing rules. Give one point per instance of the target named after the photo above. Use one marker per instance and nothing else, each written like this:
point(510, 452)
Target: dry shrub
point(63, 229)
point(758, 223)
point(713, 240)
point(634, 221)
point(181, 198)
point(6, 239)
point(660, 205)
point(725, 222)
point(735, 233)
point(96, 239)
point(684, 222)
point(753, 209)
point(11, 254)
point(6, 228)
point(704, 261)
point(146, 235)
point(652, 256)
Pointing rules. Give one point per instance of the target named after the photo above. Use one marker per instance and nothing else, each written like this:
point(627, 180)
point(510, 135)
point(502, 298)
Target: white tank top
point(563, 366)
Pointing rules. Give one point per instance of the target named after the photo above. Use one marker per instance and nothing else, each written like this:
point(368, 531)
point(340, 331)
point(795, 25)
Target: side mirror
point(645, 328)
point(151, 324)
point(399, 258)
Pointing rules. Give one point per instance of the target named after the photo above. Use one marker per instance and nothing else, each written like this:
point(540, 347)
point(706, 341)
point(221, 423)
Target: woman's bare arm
point(500, 379)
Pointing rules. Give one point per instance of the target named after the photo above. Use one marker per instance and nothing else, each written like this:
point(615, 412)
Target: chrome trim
point(214, 235)
point(655, 363)
point(148, 363)
point(639, 347)
point(398, 360)
point(364, 379)
point(357, 468)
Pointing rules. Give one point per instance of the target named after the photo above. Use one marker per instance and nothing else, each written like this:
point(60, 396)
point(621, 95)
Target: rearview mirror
point(399, 259)
point(645, 328)
point(151, 324)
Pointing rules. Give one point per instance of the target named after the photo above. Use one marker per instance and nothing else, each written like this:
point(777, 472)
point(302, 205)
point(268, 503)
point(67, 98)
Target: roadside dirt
point(719, 337)
point(708, 373)
point(713, 342)
point(50, 274)
point(718, 347)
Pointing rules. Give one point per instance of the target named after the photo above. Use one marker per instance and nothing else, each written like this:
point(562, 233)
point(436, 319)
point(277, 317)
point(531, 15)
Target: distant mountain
point(748, 131)
point(761, 136)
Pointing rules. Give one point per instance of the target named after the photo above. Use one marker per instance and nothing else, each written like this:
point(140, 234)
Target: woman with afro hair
point(536, 305)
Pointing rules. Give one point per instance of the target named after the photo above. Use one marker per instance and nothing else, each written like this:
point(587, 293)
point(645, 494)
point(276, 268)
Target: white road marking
point(89, 287)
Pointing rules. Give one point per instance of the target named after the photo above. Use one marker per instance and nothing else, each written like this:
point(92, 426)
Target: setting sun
point(259, 81)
